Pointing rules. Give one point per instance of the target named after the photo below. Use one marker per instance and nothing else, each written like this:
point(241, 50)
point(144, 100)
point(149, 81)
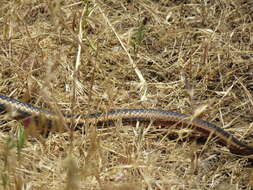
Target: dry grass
point(88, 56)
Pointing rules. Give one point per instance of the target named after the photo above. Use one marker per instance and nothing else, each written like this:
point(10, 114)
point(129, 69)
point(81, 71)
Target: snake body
point(156, 116)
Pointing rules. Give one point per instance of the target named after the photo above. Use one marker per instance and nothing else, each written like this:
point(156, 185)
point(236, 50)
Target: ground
point(80, 57)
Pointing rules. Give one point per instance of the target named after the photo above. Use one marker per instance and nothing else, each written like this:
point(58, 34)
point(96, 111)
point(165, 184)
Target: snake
point(158, 117)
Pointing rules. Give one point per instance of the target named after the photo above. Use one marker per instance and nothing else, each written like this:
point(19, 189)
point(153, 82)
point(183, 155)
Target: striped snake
point(158, 117)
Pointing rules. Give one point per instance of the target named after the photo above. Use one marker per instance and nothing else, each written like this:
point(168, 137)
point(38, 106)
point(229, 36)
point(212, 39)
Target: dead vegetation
point(88, 56)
